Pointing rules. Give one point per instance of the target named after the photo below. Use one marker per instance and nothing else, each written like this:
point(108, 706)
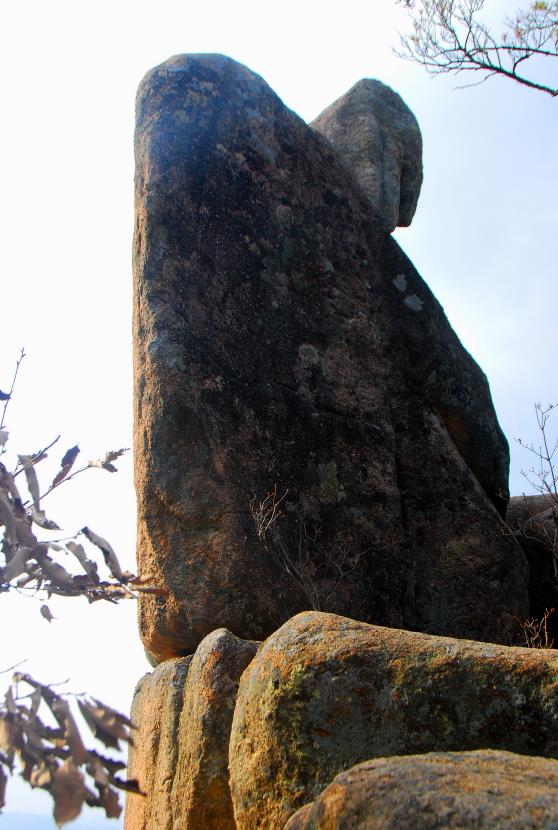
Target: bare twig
point(15, 665)
point(543, 478)
point(536, 632)
point(317, 568)
point(10, 393)
point(38, 456)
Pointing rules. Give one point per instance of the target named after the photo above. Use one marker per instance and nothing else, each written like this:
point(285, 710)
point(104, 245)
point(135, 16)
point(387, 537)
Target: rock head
point(289, 358)
point(378, 138)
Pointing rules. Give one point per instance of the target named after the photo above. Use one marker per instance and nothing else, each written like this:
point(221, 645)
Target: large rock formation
point(283, 339)
point(378, 138)
point(184, 712)
point(324, 693)
point(482, 790)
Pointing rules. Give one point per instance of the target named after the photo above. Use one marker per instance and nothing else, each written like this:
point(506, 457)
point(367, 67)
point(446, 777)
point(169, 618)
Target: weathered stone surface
point(156, 708)
point(485, 790)
point(378, 138)
point(282, 338)
point(326, 692)
point(200, 791)
point(184, 712)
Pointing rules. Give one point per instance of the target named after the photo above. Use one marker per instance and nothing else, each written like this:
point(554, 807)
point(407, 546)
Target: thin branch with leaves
point(53, 756)
point(40, 730)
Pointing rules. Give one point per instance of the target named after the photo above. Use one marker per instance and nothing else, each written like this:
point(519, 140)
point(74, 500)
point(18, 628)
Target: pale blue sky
point(484, 239)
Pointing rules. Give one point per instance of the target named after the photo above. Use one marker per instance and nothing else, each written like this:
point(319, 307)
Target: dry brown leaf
point(88, 565)
point(31, 477)
point(65, 465)
point(16, 565)
point(152, 589)
point(109, 800)
point(10, 702)
point(109, 555)
point(107, 724)
point(8, 731)
point(41, 776)
point(69, 792)
point(113, 713)
point(39, 517)
point(36, 698)
point(58, 575)
point(96, 771)
point(141, 579)
point(33, 738)
point(110, 764)
point(77, 749)
point(47, 613)
point(3, 782)
point(9, 485)
point(7, 519)
point(106, 462)
point(24, 533)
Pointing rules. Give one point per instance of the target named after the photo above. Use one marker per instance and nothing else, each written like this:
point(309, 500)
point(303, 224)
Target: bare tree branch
point(449, 37)
point(7, 397)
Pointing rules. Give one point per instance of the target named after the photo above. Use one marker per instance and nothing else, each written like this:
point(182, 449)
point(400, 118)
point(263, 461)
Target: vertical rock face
point(378, 138)
point(283, 340)
point(325, 693)
point(183, 711)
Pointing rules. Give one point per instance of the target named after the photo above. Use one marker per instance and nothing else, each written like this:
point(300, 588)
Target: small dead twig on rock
point(294, 541)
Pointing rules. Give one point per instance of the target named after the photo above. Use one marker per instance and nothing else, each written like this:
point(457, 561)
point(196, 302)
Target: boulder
point(285, 345)
point(325, 693)
point(183, 711)
point(484, 789)
point(378, 138)
point(156, 707)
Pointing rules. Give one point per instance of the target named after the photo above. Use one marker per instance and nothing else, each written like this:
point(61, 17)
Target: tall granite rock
point(284, 342)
